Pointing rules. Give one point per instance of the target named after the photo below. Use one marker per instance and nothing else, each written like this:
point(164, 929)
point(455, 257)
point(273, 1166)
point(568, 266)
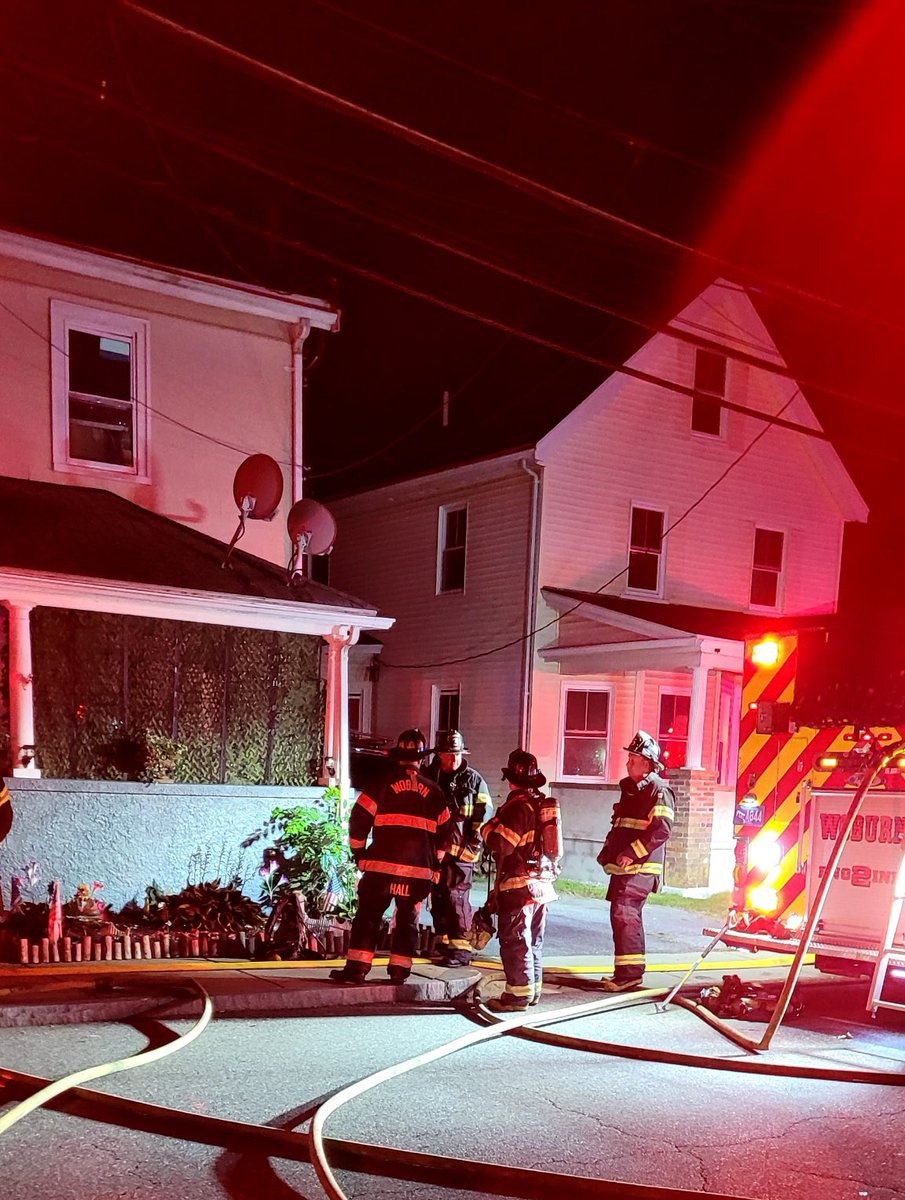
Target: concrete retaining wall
point(127, 834)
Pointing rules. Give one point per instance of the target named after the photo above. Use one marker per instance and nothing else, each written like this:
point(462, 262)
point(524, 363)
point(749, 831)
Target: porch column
point(696, 719)
point(21, 695)
point(336, 718)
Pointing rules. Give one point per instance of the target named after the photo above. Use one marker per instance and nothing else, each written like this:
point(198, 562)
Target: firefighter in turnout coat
point(470, 804)
point(409, 826)
point(525, 840)
point(633, 856)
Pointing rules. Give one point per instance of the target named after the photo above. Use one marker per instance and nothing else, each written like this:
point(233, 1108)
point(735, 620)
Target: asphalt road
point(508, 1101)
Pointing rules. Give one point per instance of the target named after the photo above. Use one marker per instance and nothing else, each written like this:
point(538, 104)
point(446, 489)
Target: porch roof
point(646, 634)
point(81, 547)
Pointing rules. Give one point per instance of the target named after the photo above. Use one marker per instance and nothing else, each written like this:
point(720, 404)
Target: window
point(100, 393)
point(673, 728)
point(355, 712)
point(709, 379)
point(447, 709)
point(767, 567)
point(586, 722)
point(645, 550)
point(451, 557)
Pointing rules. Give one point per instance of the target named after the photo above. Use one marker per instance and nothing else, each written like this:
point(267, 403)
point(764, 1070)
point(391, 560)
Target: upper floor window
point(709, 383)
point(645, 559)
point(100, 392)
point(675, 710)
point(451, 549)
point(586, 723)
point(446, 709)
point(766, 571)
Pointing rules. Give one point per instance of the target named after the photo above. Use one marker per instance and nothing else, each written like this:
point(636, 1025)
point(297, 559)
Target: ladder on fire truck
point(890, 953)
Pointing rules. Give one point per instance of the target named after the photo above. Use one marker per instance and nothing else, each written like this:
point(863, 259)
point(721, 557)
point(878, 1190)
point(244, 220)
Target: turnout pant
point(627, 895)
point(376, 892)
point(521, 933)
point(451, 909)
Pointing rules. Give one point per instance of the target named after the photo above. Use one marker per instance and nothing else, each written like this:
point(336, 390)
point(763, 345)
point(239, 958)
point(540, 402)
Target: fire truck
point(817, 708)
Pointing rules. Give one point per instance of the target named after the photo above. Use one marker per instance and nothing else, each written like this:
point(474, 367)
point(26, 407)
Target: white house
point(602, 580)
point(129, 395)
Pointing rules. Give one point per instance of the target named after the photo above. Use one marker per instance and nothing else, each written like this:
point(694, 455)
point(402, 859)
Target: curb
point(307, 997)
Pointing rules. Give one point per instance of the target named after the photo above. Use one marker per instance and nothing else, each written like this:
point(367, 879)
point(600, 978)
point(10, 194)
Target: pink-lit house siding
point(388, 537)
point(219, 383)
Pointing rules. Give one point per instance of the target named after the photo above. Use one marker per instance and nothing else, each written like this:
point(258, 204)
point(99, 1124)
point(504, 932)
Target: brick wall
point(688, 852)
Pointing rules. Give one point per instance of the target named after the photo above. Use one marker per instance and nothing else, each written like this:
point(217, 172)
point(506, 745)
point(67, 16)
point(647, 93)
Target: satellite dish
point(312, 530)
point(258, 487)
point(257, 490)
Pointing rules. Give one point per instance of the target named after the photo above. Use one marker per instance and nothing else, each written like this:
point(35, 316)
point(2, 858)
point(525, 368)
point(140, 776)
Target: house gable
point(630, 445)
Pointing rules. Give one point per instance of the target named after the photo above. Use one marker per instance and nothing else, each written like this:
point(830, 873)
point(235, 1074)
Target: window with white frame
point(451, 548)
point(766, 569)
point(710, 388)
point(446, 709)
point(586, 726)
point(675, 709)
point(356, 710)
point(645, 560)
point(100, 390)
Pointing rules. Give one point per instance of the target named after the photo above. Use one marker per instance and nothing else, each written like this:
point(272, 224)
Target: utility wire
point(687, 336)
point(632, 140)
point(546, 343)
point(548, 195)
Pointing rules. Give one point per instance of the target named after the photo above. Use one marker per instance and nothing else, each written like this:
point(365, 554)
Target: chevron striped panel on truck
point(770, 770)
point(774, 831)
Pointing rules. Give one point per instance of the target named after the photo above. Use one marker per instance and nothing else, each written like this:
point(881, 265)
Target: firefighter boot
point(620, 985)
point(398, 974)
point(507, 1003)
point(344, 975)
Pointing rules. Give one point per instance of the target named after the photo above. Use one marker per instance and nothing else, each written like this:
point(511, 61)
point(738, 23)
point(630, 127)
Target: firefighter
point(633, 856)
point(470, 804)
point(525, 840)
point(409, 826)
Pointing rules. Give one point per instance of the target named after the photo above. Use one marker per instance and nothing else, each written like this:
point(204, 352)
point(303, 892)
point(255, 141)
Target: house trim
point(184, 285)
point(181, 604)
point(657, 654)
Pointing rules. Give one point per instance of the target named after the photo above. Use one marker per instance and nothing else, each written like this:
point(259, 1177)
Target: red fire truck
point(814, 714)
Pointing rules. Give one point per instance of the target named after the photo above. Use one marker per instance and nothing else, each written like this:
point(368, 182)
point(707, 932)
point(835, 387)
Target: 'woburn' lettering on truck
point(867, 828)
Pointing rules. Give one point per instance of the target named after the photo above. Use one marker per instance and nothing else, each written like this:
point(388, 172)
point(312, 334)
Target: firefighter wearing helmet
point(525, 839)
point(398, 837)
point(633, 856)
point(470, 804)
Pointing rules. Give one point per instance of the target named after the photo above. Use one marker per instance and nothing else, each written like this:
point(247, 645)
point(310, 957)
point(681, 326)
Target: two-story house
point(562, 595)
point(133, 643)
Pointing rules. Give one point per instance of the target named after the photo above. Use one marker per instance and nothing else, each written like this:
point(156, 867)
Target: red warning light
point(765, 652)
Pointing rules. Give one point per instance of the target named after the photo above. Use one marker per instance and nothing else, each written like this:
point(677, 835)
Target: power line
point(307, 249)
point(208, 143)
point(631, 140)
point(539, 191)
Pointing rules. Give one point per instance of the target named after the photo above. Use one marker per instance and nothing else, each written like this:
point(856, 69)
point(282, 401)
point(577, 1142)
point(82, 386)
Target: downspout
point(535, 472)
point(297, 335)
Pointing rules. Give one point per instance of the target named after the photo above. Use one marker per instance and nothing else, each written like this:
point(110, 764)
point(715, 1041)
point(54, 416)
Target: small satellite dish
point(257, 490)
point(312, 530)
point(258, 487)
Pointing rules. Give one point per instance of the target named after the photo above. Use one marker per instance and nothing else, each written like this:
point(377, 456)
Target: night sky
point(757, 139)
